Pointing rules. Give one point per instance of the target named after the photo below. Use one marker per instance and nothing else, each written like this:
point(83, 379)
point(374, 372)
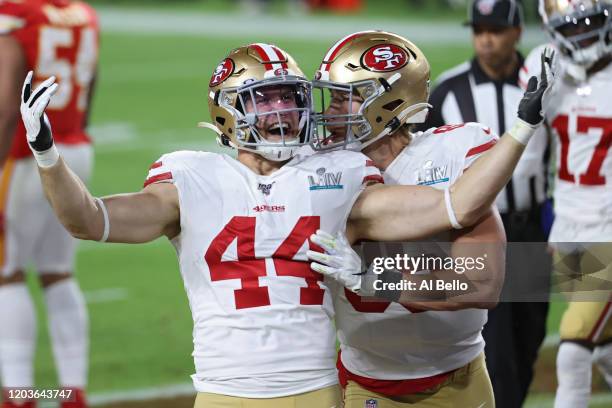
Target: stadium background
point(155, 62)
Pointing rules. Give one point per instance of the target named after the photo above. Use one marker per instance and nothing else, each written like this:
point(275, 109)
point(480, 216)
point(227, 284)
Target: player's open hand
point(339, 261)
point(33, 105)
point(535, 99)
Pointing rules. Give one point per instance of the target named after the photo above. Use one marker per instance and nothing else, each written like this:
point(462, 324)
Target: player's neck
point(384, 151)
point(259, 164)
point(502, 69)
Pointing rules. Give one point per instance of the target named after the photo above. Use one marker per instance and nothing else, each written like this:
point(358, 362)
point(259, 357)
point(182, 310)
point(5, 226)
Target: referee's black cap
point(502, 13)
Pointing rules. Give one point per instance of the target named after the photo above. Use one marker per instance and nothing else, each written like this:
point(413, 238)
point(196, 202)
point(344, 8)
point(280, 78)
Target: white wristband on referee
point(106, 221)
point(449, 210)
point(522, 131)
point(47, 158)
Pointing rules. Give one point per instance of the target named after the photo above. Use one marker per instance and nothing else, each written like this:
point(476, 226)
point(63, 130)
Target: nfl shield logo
point(371, 403)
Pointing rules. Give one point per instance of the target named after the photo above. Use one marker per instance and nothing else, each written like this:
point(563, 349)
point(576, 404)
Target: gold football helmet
point(259, 100)
point(580, 28)
point(388, 74)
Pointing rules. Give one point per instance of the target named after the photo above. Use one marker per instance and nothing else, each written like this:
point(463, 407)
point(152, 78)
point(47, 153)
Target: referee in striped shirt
point(486, 90)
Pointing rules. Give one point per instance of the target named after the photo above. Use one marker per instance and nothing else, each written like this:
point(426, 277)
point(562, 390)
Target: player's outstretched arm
point(412, 212)
point(130, 218)
point(475, 190)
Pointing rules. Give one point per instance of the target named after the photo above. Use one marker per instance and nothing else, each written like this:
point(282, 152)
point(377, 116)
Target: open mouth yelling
point(279, 129)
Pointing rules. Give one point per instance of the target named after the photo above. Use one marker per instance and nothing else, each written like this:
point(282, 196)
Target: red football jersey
point(59, 37)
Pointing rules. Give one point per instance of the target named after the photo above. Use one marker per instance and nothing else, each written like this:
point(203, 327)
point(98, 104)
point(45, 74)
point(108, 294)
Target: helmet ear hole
point(378, 119)
point(391, 106)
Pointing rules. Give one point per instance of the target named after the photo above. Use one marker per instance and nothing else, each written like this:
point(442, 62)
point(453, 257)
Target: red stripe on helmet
point(280, 56)
point(336, 49)
point(263, 55)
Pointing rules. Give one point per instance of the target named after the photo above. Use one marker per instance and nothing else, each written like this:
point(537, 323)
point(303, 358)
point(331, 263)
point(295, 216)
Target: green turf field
point(151, 94)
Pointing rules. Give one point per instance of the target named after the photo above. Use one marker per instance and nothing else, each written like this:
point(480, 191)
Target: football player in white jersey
point(581, 124)
point(263, 331)
point(393, 353)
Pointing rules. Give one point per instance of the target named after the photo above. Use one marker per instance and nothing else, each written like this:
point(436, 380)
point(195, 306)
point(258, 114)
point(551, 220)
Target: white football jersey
point(580, 118)
point(262, 318)
point(384, 340)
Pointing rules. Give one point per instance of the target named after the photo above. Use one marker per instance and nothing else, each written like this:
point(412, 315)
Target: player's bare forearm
point(73, 204)
point(145, 215)
point(397, 213)
point(475, 191)
point(132, 217)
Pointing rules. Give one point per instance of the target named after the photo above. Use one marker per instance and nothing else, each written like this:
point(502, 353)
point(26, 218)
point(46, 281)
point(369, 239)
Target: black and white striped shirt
point(466, 94)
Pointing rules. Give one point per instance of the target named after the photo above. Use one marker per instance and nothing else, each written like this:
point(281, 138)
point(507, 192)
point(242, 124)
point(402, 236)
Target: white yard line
point(105, 295)
point(322, 28)
point(112, 133)
point(143, 394)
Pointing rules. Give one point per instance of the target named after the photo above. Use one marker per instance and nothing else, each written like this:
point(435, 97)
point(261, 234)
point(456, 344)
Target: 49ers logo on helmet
point(222, 72)
point(384, 58)
point(281, 72)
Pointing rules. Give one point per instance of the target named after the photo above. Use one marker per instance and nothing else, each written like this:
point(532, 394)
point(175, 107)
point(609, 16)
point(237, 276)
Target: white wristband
point(522, 131)
point(449, 210)
point(47, 158)
point(106, 221)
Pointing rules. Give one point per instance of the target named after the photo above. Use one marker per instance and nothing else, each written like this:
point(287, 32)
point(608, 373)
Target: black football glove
point(530, 108)
point(33, 105)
